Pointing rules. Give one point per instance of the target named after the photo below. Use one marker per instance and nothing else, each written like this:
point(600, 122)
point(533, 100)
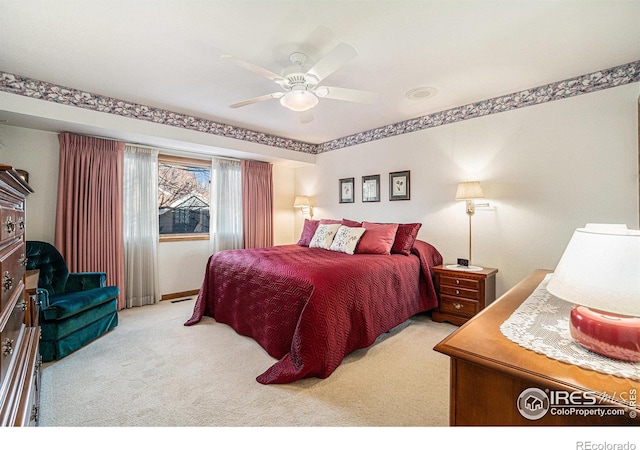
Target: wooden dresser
point(19, 331)
point(462, 294)
point(491, 376)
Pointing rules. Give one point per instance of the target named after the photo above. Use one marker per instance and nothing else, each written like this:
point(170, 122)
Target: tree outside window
point(183, 198)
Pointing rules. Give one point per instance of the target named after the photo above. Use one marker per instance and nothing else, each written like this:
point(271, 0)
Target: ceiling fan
point(300, 85)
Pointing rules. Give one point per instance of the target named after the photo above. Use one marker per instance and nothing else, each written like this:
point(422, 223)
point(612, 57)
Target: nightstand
point(462, 294)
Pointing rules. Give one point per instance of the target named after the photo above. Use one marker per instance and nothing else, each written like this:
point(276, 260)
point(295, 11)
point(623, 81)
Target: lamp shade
point(301, 201)
point(600, 269)
point(468, 190)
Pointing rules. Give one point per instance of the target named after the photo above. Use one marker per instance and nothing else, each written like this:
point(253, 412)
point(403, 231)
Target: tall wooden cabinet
point(19, 330)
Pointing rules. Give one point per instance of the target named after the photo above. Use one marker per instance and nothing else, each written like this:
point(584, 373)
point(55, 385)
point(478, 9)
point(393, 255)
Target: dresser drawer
point(10, 333)
point(458, 306)
point(455, 291)
point(11, 270)
point(460, 282)
point(11, 223)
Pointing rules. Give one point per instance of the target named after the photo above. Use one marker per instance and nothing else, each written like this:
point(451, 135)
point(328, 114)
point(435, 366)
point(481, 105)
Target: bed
point(310, 307)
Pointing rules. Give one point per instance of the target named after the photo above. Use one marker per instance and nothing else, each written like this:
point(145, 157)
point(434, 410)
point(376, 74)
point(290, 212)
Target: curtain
point(89, 207)
point(226, 205)
point(257, 204)
point(141, 234)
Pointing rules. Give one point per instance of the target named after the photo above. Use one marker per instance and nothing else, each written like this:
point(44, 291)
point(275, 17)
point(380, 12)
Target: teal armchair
point(76, 308)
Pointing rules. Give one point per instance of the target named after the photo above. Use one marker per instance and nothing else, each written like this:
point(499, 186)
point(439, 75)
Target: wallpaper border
point(584, 84)
point(42, 90)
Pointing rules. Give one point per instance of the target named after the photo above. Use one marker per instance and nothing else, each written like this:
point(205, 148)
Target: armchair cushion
point(68, 304)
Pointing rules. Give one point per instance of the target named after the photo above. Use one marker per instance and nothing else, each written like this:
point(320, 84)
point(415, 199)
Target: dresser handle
point(11, 226)
point(34, 413)
point(458, 306)
point(457, 281)
point(457, 292)
point(7, 347)
point(21, 224)
point(23, 260)
point(7, 281)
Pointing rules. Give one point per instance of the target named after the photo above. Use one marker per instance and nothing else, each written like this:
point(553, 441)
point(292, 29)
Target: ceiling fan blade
point(254, 68)
point(350, 95)
point(257, 99)
point(336, 58)
point(306, 117)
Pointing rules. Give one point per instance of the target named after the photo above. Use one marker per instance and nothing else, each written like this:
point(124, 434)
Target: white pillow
point(323, 237)
point(346, 239)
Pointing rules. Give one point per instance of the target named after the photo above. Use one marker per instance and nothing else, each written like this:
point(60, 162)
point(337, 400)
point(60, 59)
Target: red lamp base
point(612, 335)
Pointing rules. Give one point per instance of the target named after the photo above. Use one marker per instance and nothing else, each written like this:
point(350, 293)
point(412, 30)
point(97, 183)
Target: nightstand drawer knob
point(458, 305)
point(457, 291)
point(457, 281)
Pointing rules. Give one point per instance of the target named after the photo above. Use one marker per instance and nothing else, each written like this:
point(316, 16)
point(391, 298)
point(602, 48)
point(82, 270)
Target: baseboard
point(175, 295)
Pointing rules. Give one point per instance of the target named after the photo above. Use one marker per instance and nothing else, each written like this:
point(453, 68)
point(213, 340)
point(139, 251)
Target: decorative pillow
point(351, 223)
point(324, 235)
point(330, 222)
point(378, 239)
point(310, 227)
point(405, 238)
point(346, 239)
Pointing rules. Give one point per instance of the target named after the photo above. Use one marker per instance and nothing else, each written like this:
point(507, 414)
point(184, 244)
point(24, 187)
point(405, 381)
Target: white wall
point(181, 264)
point(37, 153)
point(545, 170)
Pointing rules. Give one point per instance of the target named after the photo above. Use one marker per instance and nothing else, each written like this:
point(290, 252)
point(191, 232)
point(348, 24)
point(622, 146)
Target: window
point(183, 198)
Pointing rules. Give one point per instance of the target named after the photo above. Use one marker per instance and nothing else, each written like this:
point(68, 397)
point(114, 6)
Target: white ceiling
point(167, 54)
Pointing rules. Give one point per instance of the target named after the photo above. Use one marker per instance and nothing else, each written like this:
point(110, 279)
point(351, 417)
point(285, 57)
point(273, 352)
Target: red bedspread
point(310, 307)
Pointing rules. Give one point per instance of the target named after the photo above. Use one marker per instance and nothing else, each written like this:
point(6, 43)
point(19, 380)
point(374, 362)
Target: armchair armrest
point(81, 281)
point(43, 298)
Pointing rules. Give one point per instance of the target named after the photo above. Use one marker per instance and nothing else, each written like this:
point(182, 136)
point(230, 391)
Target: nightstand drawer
point(459, 292)
point(462, 294)
point(458, 306)
point(460, 282)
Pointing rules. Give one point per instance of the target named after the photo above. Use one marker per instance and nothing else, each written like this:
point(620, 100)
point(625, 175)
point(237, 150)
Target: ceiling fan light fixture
point(299, 100)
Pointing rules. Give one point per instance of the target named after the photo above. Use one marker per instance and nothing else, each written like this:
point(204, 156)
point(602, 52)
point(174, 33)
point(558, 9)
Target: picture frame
point(400, 185)
point(371, 188)
point(346, 190)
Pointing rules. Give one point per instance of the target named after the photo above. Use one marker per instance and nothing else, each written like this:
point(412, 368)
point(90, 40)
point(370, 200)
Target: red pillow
point(351, 223)
point(310, 227)
point(330, 222)
point(405, 237)
point(378, 238)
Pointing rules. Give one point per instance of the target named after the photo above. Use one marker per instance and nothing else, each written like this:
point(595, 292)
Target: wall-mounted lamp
point(469, 191)
point(303, 203)
point(599, 273)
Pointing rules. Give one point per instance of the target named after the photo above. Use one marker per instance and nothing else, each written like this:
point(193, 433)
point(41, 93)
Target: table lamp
point(599, 272)
point(469, 191)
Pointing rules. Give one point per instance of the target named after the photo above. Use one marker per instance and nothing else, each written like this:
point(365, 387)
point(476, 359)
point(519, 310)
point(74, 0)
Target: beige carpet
point(151, 371)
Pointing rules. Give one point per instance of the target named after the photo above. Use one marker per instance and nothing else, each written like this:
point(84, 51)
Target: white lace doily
point(541, 324)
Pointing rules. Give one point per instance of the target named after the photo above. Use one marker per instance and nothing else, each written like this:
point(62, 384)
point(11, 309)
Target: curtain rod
point(160, 149)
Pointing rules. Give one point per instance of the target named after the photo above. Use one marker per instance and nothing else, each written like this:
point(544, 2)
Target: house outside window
point(183, 198)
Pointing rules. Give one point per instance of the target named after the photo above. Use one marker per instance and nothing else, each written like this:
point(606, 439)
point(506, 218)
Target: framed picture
point(400, 185)
point(371, 188)
point(346, 190)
